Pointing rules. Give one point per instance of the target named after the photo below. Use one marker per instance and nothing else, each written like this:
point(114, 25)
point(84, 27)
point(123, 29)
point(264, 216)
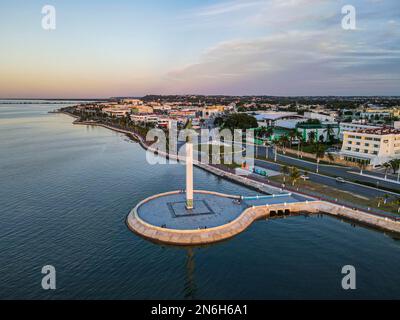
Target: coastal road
point(347, 173)
point(364, 191)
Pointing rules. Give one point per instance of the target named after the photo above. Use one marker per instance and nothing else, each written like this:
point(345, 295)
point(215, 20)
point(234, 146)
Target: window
point(365, 151)
point(358, 143)
point(376, 145)
point(367, 144)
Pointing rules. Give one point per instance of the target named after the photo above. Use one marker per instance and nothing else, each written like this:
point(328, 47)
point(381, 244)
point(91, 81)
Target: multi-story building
point(321, 131)
point(349, 126)
point(144, 118)
point(371, 146)
point(141, 109)
point(320, 116)
point(133, 102)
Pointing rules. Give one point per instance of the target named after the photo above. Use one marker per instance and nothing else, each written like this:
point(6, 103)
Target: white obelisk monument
point(189, 175)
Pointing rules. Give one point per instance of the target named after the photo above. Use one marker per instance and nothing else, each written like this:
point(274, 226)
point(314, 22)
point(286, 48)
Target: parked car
point(304, 177)
point(340, 179)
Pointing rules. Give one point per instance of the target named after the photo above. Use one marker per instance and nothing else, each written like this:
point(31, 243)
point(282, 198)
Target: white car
point(340, 179)
point(304, 177)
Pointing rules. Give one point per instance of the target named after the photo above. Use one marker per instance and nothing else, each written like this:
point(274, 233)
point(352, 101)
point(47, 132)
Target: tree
point(362, 166)
point(294, 175)
point(292, 136)
point(285, 171)
point(380, 200)
point(218, 121)
point(397, 203)
point(394, 164)
point(387, 166)
point(385, 198)
point(299, 144)
point(283, 141)
point(329, 133)
point(311, 137)
point(319, 151)
point(241, 121)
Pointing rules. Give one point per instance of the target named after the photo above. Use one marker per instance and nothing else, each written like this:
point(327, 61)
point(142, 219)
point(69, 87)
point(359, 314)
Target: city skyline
point(134, 48)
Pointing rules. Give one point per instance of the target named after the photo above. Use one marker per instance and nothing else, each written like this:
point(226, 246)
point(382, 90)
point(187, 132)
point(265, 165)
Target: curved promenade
point(250, 214)
point(136, 220)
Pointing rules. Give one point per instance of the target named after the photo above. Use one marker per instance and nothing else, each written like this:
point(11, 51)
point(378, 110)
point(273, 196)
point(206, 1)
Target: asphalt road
point(336, 171)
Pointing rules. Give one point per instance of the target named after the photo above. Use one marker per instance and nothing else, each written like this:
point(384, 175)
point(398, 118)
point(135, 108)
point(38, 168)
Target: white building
point(349, 126)
point(320, 116)
point(133, 102)
point(371, 146)
point(269, 118)
point(144, 118)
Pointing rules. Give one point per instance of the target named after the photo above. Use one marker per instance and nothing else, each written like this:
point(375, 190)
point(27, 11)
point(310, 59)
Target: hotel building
point(371, 146)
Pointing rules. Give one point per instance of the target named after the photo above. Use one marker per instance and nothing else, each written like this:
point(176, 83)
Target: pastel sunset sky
point(234, 47)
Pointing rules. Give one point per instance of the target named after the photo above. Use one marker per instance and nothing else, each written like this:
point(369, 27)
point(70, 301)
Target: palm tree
point(292, 136)
point(319, 151)
point(294, 175)
point(385, 198)
point(394, 164)
point(362, 166)
point(329, 132)
point(387, 166)
point(283, 140)
point(300, 140)
point(380, 200)
point(397, 203)
point(311, 137)
point(285, 171)
point(275, 144)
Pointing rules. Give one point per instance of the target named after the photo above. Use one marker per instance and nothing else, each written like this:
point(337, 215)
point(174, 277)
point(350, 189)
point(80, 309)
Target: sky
point(103, 49)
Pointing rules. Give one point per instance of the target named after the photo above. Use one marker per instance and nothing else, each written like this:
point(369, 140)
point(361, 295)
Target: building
point(348, 126)
point(144, 118)
point(141, 109)
point(320, 116)
point(212, 111)
point(321, 131)
point(268, 119)
point(133, 102)
point(118, 111)
point(371, 146)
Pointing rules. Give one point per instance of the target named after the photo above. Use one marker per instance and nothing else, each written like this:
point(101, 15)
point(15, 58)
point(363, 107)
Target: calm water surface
point(65, 192)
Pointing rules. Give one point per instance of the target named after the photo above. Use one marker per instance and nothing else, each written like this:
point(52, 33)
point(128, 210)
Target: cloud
point(296, 61)
point(227, 7)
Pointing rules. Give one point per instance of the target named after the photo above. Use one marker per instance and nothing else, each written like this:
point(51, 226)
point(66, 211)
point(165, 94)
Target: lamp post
point(189, 175)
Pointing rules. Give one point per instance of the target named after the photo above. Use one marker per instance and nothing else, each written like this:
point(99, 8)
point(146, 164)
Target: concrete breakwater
point(381, 222)
point(242, 222)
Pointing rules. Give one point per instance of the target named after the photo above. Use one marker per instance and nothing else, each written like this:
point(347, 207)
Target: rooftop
point(379, 131)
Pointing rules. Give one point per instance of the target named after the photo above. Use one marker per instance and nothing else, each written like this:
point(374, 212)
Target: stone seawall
point(249, 215)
